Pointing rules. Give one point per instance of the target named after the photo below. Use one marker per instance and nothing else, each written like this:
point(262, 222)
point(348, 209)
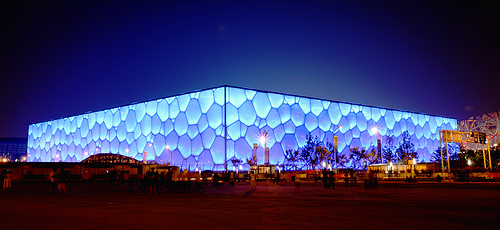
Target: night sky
point(64, 58)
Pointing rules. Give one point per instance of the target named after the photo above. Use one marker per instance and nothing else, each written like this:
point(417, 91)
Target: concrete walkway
point(392, 205)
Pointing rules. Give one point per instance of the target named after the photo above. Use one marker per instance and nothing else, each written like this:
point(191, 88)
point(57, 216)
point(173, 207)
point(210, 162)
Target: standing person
point(53, 181)
point(7, 180)
point(325, 179)
point(331, 183)
point(61, 181)
point(231, 179)
point(253, 181)
point(297, 185)
point(2, 177)
point(277, 176)
point(153, 180)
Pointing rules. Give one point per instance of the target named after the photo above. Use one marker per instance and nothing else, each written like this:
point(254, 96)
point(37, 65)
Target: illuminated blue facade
point(189, 129)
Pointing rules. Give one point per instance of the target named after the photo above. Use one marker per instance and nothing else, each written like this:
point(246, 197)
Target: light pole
point(263, 138)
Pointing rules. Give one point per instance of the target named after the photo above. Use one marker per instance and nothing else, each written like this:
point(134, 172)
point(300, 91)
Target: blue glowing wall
point(189, 129)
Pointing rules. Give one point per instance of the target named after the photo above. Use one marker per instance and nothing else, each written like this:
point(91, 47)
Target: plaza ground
point(392, 205)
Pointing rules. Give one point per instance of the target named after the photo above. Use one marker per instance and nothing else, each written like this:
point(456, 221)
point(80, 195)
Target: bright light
point(85, 153)
point(24, 158)
point(166, 147)
point(495, 145)
point(4, 160)
point(469, 162)
point(150, 144)
point(262, 139)
point(414, 161)
point(324, 164)
point(374, 130)
point(96, 149)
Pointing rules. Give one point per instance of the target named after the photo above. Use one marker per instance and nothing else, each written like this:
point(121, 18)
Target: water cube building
point(206, 128)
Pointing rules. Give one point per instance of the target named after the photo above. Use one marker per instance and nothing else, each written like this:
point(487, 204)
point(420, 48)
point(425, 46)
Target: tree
point(357, 157)
point(252, 161)
point(309, 153)
point(372, 157)
point(236, 162)
point(292, 157)
point(323, 154)
point(389, 150)
point(406, 150)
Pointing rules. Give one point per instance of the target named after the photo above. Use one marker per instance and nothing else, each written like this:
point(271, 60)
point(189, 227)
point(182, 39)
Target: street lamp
point(263, 139)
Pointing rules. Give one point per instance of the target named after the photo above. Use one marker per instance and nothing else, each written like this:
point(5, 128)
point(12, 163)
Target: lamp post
point(263, 138)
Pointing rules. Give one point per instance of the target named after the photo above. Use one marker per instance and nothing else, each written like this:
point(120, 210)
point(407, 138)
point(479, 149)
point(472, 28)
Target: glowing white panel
point(196, 146)
point(130, 121)
point(389, 120)
point(237, 96)
point(250, 94)
point(217, 150)
point(159, 143)
point(174, 108)
point(234, 130)
point(324, 121)
point(162, 110)
point(171, 141)
point(345, 109)
point(231, 114)
point(203, 123)
point(184, 146)
point(206, 99)
point(192, 131)
point(273, 118)
point(351, 118)
point(108, 119)
point(146, 125)
point(155, 124)
point(397, 115)
point(247, 113)
point(311, 122)
point(219, 96)
point(376, 114)
point(208, 137)
point(289, 142)
point(361, 121)
point(284, 113)
point(275, 99)
point(305, 105)
point(181, 124)
point(297, 115)
point(334, 113)
point(193, 112)
point(290, 100)
point(214, 116)
point(261, 104)
point(300, 135)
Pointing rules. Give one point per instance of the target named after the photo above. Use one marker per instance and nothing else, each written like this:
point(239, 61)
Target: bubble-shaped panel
point(284, 113)
point(297, 115)
point(237, 96)
point(247, 113)
point(231, 114)
point(275, 99)
point(206, 99)
point(316, 106)
point(311, 122)
point(214, 116)
point(273, 118)
point(193, 112)
point(261, 104)
point(334, 113)
point(181, 124)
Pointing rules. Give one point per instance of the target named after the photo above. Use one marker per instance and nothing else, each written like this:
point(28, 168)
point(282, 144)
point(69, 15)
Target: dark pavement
point(392, 205)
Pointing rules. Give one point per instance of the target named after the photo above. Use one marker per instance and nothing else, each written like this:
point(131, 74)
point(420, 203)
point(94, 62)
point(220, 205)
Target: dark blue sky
point(62, 58)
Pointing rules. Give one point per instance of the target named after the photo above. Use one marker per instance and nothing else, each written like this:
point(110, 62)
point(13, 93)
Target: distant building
point(13, 149)
point(206, 129)
point(488, 123)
